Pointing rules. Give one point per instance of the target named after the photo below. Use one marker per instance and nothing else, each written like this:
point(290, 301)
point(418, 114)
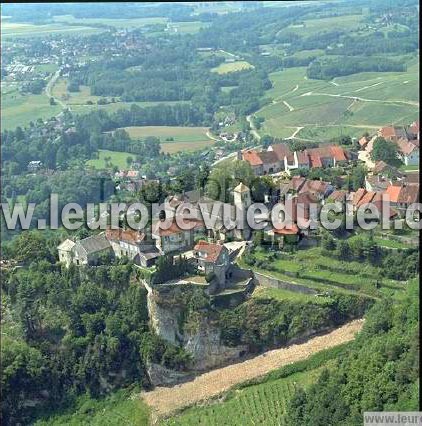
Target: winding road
point(49, 90)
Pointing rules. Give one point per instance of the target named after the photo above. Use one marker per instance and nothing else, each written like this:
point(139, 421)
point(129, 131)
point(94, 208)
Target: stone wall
point(267, 281)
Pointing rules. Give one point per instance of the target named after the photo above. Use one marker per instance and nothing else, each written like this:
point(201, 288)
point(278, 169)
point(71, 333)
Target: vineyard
point(263, 403)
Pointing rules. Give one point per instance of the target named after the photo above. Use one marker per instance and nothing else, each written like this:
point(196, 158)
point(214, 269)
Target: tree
point(129, 161)
point(386, 151)
point(343, 249)
point(218, 184)
point(52, 101)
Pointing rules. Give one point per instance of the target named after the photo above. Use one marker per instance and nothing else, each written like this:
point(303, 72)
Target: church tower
point(242, 196)
point(242, 200)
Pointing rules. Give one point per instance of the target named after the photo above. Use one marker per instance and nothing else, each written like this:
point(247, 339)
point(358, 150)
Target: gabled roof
point(393, 191)
point(174, 227)
point(252, 157)
point(406, 147)
point(315, 187)
point(315, 161)
point(387, 132)
point(66, 245)
point(127, 235)
point(291, 230)
point(94, 243)
point(358, 195)
point(268, 157)
point(414, 127)
point(339, 195)
point(303, 158)
point(366, 199)
point(281, 150)
point(409, 194)
point(212, 251)
point(297, 182)
point(339, 154)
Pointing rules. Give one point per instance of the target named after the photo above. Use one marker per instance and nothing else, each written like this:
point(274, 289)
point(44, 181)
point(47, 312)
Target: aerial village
point(211, 253)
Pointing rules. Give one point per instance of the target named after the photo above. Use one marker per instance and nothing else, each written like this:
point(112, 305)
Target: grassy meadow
point(228, 67)
point(183, 138)
point(19, 110)
point(12, 29)
point(116, 158)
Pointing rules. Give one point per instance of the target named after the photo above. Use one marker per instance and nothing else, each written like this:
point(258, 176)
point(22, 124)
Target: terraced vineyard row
point(263, 404)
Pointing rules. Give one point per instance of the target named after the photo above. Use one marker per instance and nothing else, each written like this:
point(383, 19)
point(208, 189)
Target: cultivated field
point(228, 67)
point(19, 110)
point(11, 29)
point(319, 110)
point(310, 27)
point(117, 23)
point(259, 404)
point(184, 138)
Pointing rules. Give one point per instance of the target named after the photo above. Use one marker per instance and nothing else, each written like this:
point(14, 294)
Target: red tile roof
point(297, 182)
point(252, 157)
point(406, 147)
point(339, 195)
point(175, 229)
point(303, 158)
point(387, 132)
point(409, 194)
point(315, 187)
point(268, 157)
point(315, 161)
point(339, 153)
point(393, 192)
point(127, 235)
point(212, 251)
point(281, 150)
point(358, 195)
point(366, 199)
point(414, 127)
point(287, 230)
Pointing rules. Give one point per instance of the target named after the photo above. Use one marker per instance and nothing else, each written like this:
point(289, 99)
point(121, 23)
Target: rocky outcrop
point(201, 337)
point(207, 348)
point(162, 376)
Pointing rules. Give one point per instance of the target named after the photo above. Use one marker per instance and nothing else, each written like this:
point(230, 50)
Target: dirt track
point(163, 401)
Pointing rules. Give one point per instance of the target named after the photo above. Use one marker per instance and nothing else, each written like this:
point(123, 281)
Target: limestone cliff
point(172, 318)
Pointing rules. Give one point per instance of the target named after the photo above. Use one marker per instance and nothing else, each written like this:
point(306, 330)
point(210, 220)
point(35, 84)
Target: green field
point(122, 407)
point(117, 23)
point(116, 159)
point(11, 29)
point(184, 138)
point(19, 110)
point(347, 105)
point(310, 27)
point(313, 269)
point(186, 27)
point(229, 67)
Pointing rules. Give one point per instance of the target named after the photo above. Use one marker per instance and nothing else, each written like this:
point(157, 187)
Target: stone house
point(212, 258)
point(170, 237)
point(65, 250)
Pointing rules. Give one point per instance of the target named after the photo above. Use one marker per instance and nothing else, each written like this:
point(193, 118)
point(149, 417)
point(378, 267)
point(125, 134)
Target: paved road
point(49, 88)
point(254, 132)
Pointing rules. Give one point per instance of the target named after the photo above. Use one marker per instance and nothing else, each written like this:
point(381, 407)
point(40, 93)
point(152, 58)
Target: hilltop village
point(211, 251)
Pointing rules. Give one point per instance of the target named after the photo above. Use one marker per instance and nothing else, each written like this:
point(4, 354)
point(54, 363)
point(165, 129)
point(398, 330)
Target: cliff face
point(199, 334)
